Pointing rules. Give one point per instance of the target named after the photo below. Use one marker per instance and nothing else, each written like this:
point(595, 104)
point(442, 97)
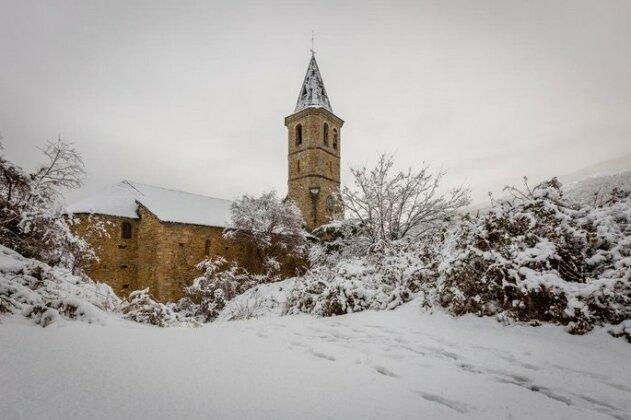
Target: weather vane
point(312, 39)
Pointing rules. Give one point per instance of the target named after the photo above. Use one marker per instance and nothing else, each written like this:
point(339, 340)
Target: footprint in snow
point(458, 406)
point(441, 353)
point(513, 360)
point(595, 401)
point(322, 355)
point(382, 370)
point(619, 386)
point(505, 377)
point(525, 383)
point(296, 344)
point(470, 368)
point(413, 350)
point(340, 335)
point(604, 407)
point(603, 378)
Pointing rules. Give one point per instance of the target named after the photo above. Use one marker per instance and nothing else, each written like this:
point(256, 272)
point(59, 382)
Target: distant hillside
point(608, 167)
point(583, 185)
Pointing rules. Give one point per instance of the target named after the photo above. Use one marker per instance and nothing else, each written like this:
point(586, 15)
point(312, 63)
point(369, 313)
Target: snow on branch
point(32, 219)
point(391, 205)
point(64, 168)
point(273, 226)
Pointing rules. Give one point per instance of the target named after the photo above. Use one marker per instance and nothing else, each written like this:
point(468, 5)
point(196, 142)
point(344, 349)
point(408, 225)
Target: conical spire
point(312, 93)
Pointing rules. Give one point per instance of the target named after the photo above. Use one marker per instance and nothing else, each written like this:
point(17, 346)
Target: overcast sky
point(192, 95)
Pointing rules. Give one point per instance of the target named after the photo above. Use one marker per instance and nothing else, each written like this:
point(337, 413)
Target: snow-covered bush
point(221, 282)
point(32, 220)
point(272, 226)
point(541, 258)
point(141, 307)
point(261, 300)
point(384, 279)
point(48, 294)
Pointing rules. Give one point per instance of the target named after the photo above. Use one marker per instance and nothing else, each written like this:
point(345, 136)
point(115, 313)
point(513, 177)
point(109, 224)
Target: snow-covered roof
point(167, 205)
point(312, 93)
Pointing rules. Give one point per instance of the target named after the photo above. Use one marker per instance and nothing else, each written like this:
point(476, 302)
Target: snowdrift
point(46, 294)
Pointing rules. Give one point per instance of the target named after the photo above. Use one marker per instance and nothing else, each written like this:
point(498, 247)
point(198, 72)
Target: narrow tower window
point(207, 248)
point(326, 134)
point(335, 138)
point(298, 135)
point(126, 230)
point(298, 166)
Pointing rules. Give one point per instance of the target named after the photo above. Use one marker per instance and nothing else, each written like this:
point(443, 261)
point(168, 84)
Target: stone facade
point(314, 151)
point(158, 255)
point(118, 257)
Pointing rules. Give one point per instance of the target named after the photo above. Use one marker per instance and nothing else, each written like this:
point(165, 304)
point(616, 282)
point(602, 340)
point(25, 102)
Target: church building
point(155, 236)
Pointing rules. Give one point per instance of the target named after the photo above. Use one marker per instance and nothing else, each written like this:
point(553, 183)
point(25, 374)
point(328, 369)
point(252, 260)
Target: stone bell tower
point(314, 134)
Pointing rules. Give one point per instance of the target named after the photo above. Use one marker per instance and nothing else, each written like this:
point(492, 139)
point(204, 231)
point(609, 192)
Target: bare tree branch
point(390, 206)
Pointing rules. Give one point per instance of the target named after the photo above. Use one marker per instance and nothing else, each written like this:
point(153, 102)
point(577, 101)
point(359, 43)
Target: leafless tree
point(389, 205)
point(32, 220)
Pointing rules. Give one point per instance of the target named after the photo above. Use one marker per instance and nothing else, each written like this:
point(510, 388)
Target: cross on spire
point(312, 42)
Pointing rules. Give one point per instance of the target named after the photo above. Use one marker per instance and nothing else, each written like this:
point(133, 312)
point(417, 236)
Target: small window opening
point(298, 135)
point(126, 230)
point(330, 167)
point(326, 134)
point(335, 138)
point(207, 247)
point(298, 166)
point(125, 286)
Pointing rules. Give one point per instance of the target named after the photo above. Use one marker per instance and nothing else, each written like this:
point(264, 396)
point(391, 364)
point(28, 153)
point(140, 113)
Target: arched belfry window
point(298, 135)
point(325, 136)
point(335, 138)
point(126, 230)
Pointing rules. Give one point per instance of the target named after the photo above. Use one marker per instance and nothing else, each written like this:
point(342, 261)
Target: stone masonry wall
point(118, 257)
point(314, 164)
point(184, 246)
point(161, 256)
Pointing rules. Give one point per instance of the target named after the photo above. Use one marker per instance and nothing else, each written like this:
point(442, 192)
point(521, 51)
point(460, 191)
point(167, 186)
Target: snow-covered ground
point(401, 364)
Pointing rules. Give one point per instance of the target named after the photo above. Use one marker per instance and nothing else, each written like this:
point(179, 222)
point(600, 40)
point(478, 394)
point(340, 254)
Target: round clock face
point(330, 202)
